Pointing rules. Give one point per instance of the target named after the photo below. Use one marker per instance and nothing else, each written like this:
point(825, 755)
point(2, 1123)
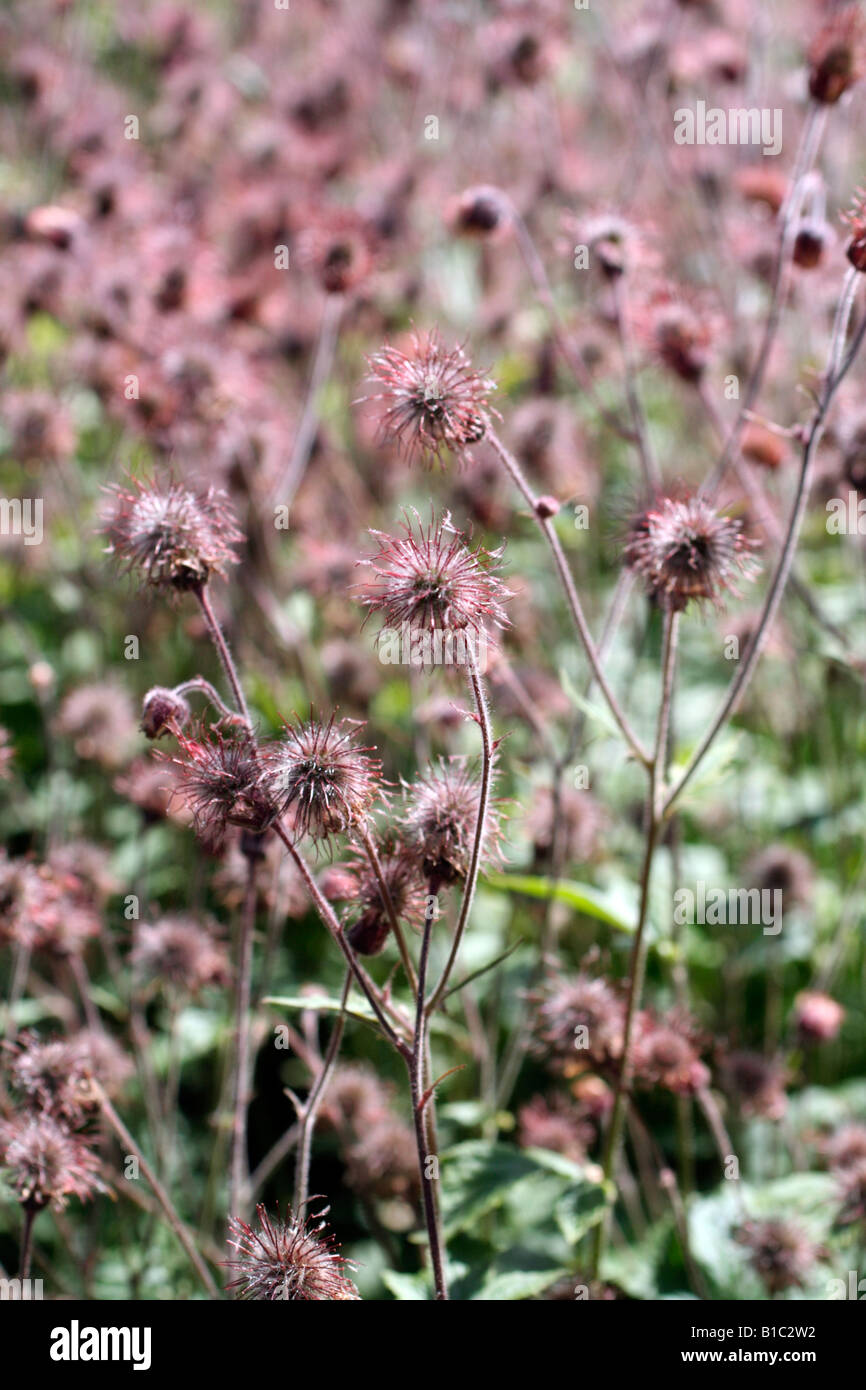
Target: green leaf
point(408, 1288)
point(324, 1004)
point(479, 1177)
point(604, 907)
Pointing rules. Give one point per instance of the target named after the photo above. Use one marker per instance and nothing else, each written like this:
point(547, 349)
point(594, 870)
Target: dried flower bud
point(45, 1163)
point(441, 818)
point(810, 243)
point(319, 774)
point(163, 712)
point(481, 211)
point(836, 56)
point(779, 1253)
point(176, 539)
point(288, 1259)
point(435, 400)
point(219, 781)
point(817, 1017)
point(408, 893)
point(431, 583)
point(684, 551)
point(856, 220)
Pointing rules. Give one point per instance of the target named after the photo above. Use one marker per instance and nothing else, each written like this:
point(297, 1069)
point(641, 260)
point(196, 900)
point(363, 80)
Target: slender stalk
point(541, 284)
point(307, 1120)
point(388, 903)
point(480, 830)
point(26, 1253)
point(292, 475)
point(239, 1180)
point(205, 688)
point(649, 463)
point(574, 605)
point(777, 586)
point(174, 1221)
point(222, 647)
point(808, 148)
point(428, 1160)
point(637, 966)
point(329, 918)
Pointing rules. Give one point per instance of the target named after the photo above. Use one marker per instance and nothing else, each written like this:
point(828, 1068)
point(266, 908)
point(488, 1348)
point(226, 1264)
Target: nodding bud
point(369, 934)
point(810, 243)
point(480, 211)
point(856, 219)
point(163, 712)
point(546, 507)
point(836, 58)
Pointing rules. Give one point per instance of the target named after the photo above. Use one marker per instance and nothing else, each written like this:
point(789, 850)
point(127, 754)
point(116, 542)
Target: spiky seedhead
point(579, 1019)
point(837, 56)
point(441, 818)
point(319, 775)
point(174, 538)
point(431, 582)
point(685, 551)
point(46, 1163)
point(291, 1258)
point(371, 925)
point(780, 1253)
point(219, 781)
point(435, 400)
point(179, 952)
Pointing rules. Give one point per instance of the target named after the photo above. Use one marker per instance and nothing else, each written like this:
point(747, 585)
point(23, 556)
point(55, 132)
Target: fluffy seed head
point(779, 1252)
point(579, 1019)
point(288, 1259)
point(175, 539)
point(434, 399)
point(219, 781)
point(429, 581)
point(51, 1077)
point(685, 551)
point(338, 247)
point(45, 1163)
point(180, 952)
point(441, 818)
point(666, 1054)
point(318, 773)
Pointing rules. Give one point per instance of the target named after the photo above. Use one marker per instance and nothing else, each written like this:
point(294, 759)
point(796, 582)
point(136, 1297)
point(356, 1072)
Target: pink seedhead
point(288, 1259)
point(837, 56)
point(441, 818)
point(435, 400)
point(685, 551)
point(338, 248)
point(174, 538)
point(45, 1163)
point(319, 775)
point(429, 580)
point(371, 924)
point(219, 781)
